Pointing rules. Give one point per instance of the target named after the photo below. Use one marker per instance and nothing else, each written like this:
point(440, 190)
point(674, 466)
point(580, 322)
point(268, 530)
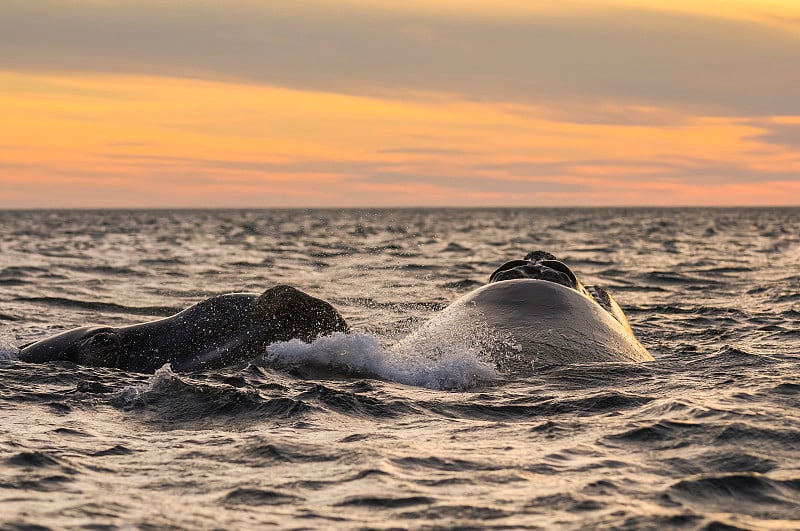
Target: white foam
point(8, 351)
point(133, 393)
point(362, 353)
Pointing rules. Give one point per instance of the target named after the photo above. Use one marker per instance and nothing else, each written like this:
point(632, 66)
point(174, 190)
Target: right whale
point(533, 313)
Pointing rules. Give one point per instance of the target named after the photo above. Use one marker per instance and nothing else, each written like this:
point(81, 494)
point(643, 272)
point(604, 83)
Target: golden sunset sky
point(302, 103)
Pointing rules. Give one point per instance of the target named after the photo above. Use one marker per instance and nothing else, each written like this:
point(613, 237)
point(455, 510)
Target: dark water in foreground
point(706, 437)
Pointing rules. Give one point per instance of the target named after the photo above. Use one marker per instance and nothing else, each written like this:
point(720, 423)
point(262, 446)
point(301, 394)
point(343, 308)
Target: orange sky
point(146, 104)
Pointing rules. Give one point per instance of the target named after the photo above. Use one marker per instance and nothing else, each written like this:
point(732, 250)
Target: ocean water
point(705, 437)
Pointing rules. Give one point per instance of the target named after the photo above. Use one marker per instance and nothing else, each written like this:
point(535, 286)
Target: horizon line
point(400, 207)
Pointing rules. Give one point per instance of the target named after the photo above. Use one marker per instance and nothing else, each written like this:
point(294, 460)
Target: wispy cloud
point(642, 56)
point(780, 133)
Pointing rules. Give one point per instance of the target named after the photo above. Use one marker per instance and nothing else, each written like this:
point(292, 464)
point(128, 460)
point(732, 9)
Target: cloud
point(483, 184)
point(647, 57)
point(779, 134)
point(678, 171)
point(201, 182)
point(319, 177)
point(421, 151)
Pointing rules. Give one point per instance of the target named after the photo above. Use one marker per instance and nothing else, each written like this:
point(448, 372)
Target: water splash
point(363, 354)
point(8, 351)
point(461, 328)
point(133, 394)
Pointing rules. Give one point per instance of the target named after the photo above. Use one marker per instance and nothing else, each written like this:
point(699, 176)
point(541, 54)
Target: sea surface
point(705, 437)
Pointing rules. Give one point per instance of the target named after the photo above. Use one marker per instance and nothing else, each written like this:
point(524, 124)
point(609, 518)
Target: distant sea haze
point(702, 438)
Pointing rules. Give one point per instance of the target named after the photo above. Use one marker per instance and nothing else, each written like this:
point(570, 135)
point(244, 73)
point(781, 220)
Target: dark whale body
point(533, 313)
point(216, 332)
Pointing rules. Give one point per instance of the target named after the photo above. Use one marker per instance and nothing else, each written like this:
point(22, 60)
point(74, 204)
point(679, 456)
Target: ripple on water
point(257, 497)
point(733, 492)
point(385, 502)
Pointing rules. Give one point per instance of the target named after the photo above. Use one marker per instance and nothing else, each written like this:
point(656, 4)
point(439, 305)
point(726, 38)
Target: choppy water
point(706, 437)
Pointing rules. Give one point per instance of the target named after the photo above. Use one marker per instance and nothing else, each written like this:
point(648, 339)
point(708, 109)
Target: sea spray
point(7, 349)
point(363, 354)
point(134, 394)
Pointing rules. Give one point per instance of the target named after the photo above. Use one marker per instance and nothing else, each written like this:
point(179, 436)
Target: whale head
point(293, 314)
point(541, 265)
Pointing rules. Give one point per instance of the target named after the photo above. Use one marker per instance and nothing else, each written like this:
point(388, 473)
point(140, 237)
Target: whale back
point(523, 324)
point(90, 345)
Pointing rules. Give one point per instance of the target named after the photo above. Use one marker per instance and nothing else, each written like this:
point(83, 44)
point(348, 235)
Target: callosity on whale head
point(534, 312)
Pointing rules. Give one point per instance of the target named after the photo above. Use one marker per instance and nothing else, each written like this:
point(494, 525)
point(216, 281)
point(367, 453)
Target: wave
point(109, 307)
point(729, 492)
point(257, 497)
point(362, 355)
point(182, 400)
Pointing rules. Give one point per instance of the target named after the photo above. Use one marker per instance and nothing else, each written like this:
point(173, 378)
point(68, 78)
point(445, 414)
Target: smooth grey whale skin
point(214, 333)
point(533, 313)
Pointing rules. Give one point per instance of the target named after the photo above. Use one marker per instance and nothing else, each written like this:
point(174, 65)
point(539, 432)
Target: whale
point(533, 313)
point(217, 332)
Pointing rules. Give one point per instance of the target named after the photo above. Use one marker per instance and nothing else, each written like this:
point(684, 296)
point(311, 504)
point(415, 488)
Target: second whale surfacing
point(533, 313)
point(214, 333)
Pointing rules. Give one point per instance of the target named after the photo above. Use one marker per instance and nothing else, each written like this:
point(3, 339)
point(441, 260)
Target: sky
point(355, 103)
